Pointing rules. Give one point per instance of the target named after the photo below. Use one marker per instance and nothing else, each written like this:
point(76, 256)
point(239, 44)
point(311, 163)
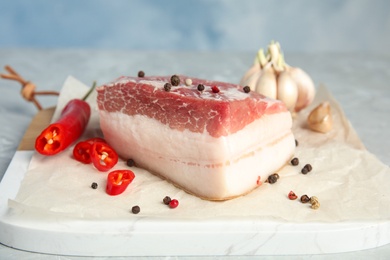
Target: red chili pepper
point(95, 139)
point(69, 127)
point(103, 156)
point(82, 150)
point(117, 181)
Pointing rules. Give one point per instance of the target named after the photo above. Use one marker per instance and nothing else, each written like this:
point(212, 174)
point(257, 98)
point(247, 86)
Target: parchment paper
point(350, 183)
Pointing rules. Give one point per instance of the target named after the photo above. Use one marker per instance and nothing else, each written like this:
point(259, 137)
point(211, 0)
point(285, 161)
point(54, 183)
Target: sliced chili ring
point(118, 180)
point(95, 139)
point(103, 156)
point(82, 152)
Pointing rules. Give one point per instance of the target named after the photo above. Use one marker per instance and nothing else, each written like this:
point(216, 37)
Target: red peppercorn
point(173, 203)
point(292, 195)
point(215, 89)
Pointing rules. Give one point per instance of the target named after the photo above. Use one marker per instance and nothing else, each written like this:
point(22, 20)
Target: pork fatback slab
point(216, 144)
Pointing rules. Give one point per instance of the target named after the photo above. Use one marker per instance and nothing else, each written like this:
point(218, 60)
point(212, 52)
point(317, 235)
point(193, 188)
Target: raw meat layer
point(184, 107)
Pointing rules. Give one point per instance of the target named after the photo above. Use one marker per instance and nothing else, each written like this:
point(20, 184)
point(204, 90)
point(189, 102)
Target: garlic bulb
point(320, 118)
point(271, 76)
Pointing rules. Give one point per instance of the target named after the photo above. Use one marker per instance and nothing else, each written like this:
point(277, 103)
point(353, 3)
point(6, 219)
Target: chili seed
point(200, 87)
point(215, 89)
point(130, 162)
point(175, 80)
point(167, 87)
point(292, 195)
point(167, 200)
point(141, 74)
point(94, 185)
point(273, 178)
point(247, 89)
point(135, 209)
point(305, 198)
point(295, 161)
point(173, 203)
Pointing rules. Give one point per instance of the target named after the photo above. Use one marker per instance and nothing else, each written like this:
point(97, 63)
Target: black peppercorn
point(167, 87)
point(175, 80)
point(273, 178)
point(167, 200)
point(200, 87)
point(305, 198)
point(304, 170)
point(247, 89)
point(141, 74)
point(130, 162)
point(94, 185)
point(308, 167)
point(135, 209)
point(295, 161)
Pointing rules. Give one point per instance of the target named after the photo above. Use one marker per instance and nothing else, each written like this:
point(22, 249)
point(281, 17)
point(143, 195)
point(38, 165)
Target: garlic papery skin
point(287, 90)
point(305, 85)
point(320, 118)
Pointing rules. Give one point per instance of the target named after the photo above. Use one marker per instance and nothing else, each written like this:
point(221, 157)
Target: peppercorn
point(247, 89)
point(167, 87)
point(188, 82)
point(201, 87)
point(273, 178)
point(309, 167)
point(215, 89)
point(141, 74)
point(94, 185)
point(130, 162)
point(135, 209)
point(292, 195)
point(315, 204)
point(167, 200)
point(305, 198)
point(173, 203)
point(175, 80)
point(295, 161)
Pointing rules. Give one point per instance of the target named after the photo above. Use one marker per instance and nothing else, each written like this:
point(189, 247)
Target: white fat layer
point(214, 168)
point(187, 145)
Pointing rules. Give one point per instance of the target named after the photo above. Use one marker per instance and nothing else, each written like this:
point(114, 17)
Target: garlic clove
point(287, 90)
point(252, 81)
point(266, 83)
point(320, 118)
point(306, 87)
point(249, 74)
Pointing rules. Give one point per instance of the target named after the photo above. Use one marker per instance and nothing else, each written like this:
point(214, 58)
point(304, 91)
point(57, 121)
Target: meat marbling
point(214, 145)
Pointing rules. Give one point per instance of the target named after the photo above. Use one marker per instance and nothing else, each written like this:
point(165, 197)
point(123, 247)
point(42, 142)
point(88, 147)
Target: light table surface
point(359, 82)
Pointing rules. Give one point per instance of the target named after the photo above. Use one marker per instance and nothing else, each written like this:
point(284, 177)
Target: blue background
point(241, 25)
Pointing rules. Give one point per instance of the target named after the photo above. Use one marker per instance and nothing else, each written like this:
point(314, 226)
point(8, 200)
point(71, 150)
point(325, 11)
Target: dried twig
point(28, 88)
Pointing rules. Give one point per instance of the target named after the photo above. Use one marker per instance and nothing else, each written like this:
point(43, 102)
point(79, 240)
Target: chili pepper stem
point(89, 91)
